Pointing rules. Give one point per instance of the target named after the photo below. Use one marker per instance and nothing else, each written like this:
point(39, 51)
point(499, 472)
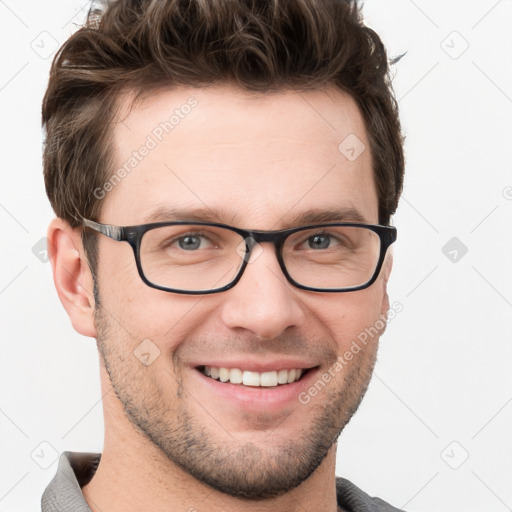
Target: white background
point(442, 389)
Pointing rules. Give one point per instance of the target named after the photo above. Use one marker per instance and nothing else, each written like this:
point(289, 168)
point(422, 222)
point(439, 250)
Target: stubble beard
point(246, 470)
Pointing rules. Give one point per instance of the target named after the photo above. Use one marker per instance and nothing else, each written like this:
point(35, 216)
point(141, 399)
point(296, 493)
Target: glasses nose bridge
point(254, 238)
point(276, 238)
point(268, 236)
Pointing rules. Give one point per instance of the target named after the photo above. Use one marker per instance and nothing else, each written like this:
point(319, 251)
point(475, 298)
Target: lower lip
point(259, 399)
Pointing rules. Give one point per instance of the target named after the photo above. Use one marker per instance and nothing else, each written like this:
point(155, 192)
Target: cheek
point(137, 312)
point(351, 316)
point(145, 313)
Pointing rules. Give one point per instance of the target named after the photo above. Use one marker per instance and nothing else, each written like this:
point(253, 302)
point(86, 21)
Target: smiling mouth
point(254, 379)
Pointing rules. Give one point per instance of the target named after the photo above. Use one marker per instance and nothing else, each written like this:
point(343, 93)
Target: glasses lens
point(191, 257)
point(332, 256)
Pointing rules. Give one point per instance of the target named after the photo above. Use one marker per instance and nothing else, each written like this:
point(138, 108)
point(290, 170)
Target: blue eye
point(189, 242)
point(319, 241)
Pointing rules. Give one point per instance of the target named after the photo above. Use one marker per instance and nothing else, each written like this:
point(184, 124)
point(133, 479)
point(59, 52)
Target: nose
point(263, 301)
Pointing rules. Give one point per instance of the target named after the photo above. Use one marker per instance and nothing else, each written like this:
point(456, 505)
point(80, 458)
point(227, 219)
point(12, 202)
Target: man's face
point(263, 160)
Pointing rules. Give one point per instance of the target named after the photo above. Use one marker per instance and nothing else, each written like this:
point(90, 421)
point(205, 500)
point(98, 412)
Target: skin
point(170, 442)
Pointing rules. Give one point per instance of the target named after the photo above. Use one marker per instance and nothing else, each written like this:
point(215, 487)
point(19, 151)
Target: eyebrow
point(230, 217)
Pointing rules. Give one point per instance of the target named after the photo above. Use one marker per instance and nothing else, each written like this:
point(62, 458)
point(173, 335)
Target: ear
point(384, 276)
point(71, 275)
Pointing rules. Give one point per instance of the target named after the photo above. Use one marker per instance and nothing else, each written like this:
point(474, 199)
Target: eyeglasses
point(203, 257)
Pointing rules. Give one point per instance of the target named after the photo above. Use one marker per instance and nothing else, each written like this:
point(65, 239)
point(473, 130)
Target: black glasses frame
point(133, 235)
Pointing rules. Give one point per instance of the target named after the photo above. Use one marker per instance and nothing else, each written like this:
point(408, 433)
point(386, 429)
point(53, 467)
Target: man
point(223, 174)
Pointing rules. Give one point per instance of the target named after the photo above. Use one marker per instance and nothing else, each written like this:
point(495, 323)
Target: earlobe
point(71, 275)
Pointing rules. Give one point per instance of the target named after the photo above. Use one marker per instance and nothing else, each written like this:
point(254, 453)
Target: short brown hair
point(260, 45)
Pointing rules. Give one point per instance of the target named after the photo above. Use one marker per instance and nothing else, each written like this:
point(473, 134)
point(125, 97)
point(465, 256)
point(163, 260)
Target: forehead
point(259, 159)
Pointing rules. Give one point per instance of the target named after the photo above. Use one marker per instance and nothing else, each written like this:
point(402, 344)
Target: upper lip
point(259, 366)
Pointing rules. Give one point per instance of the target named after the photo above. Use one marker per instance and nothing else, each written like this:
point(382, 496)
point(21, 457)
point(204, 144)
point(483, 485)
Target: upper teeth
point(267, 379)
